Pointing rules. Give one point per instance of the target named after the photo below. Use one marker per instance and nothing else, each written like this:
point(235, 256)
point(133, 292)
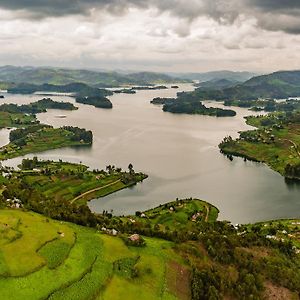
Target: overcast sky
point(156, 35)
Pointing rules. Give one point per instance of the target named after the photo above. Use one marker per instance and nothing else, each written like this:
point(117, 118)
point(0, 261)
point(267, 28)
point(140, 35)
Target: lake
point(179, 153)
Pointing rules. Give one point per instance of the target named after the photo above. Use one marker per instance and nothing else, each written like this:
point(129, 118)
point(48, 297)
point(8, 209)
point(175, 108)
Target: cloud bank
point(286, 13)
point(159, 35)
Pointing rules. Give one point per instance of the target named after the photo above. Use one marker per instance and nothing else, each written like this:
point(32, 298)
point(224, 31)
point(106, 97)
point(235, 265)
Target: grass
point(58, 260)
point(56, 251)
point(15, 119)
point(179, 214)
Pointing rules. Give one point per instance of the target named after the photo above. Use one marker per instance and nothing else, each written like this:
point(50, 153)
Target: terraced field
point(74, 182)
point(45, 259)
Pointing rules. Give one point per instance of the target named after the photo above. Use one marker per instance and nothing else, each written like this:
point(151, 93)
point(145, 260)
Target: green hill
point(59, 76)
point(45, 259)
point(281, 84)
point(41, 258)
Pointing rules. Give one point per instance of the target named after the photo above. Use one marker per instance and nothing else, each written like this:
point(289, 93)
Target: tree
point(130, 168)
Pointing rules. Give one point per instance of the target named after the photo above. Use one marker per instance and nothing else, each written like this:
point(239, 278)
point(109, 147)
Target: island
point(83, 93)
point(37, 107)
point(187, 104)
point(149, 88)
point(97, 101)
point(276, 142)
point(125, 91)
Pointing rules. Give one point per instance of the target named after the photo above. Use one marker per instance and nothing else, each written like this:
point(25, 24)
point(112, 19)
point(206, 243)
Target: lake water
point(179, 153)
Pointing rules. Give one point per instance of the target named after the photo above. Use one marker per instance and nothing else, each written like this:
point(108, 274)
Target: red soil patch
point(274, 292)
point(178, 280)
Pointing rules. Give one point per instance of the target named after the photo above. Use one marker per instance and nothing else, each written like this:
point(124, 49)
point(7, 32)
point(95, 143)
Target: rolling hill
point(59, 76)
point(282, 84)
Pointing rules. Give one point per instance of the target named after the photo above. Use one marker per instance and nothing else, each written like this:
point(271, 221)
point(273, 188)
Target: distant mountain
point(217, 75)
point(217, 84)
point(60, 76)
point(281, 84)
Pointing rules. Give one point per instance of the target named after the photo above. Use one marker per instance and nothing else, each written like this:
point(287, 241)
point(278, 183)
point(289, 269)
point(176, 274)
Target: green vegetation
point(278, 85)
point(185, 103)
point(276, 142)
point(95, 265)
point(83, 94)
point(125, 91)
point(79, 89)
point(74, 182)
point(151, 88)
point(269, 105)
point(37, 107)
point(180, 214)
point(16, 119)
point(57, 260)
point(58, 76)
point(38, 138)
point(97, 101)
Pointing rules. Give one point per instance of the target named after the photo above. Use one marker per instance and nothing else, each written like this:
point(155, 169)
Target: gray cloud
point(285, 12)
point(273, 5)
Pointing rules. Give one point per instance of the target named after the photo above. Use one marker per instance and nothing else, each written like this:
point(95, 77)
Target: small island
point(149, 88)
point(276, 142)
point(186, 103)
point(83, 93)
point(37, 107)
point(97, 101)
point(125, 91)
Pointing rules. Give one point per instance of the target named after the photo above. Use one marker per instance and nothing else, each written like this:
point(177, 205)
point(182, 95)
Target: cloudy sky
point(157, 35)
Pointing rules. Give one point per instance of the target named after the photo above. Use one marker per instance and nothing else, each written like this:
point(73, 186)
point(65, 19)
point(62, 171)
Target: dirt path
point(94, 190)
point(295, 146)
point(207, 212)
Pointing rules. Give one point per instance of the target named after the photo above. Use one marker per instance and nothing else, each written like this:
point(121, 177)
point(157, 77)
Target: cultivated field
point(45, 259)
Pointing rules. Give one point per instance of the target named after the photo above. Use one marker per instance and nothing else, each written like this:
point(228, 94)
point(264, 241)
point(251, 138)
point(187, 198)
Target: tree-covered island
point(186, 103)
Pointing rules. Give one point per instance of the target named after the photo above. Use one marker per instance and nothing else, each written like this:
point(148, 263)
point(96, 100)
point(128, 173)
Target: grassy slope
point(84, 269)
point(46, 139)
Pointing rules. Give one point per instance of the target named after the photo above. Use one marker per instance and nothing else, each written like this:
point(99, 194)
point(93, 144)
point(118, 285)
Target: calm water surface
point(178, 152)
